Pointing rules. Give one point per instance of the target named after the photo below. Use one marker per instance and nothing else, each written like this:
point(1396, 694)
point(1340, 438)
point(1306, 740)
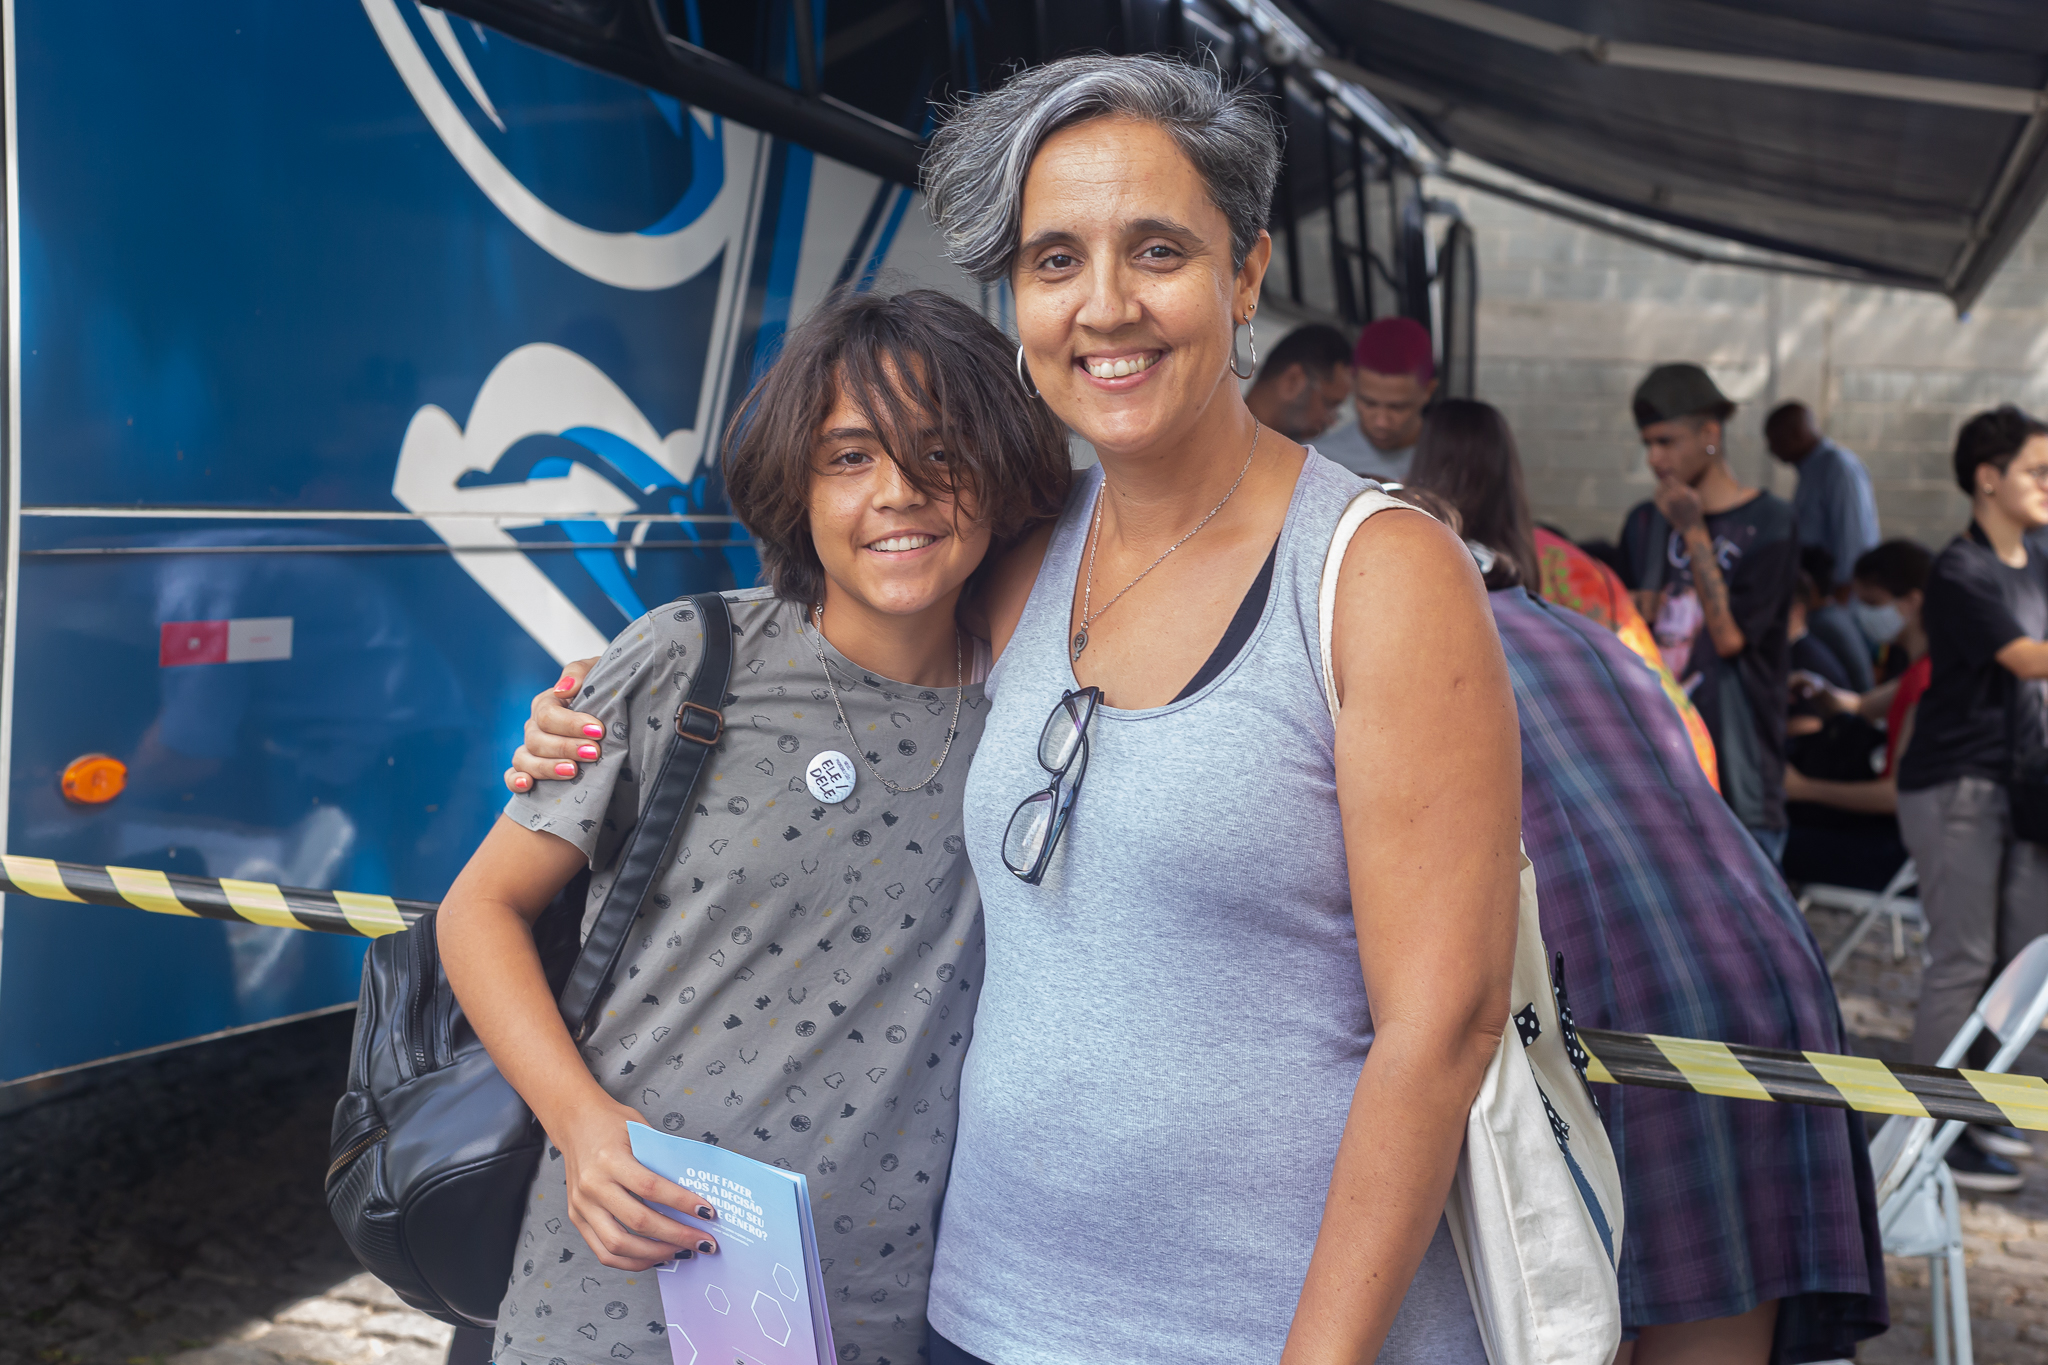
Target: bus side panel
point(313, 298)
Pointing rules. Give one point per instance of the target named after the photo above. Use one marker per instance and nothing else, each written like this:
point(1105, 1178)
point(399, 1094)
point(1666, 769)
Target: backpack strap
point(700, 723)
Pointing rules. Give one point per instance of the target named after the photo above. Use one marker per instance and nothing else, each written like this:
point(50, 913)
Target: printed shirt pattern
point(801, 988)
point(1574, 579)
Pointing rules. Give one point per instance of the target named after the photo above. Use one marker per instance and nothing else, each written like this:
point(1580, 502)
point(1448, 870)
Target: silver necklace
point(959, 694)
point(1095, 542)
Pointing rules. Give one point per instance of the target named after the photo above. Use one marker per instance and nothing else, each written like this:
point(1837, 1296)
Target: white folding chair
point(1868, 907)
point(1919, 1213)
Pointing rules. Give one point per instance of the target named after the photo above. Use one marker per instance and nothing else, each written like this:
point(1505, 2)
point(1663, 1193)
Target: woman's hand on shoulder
point(609, 1192)
point(556, 738)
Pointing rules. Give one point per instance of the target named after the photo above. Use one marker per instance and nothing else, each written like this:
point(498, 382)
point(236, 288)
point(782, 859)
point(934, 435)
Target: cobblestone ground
point(2005, 1236)
point(168, 1210)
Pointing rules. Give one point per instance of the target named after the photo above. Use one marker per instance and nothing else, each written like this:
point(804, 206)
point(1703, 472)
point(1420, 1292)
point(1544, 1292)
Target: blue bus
point(367, 360)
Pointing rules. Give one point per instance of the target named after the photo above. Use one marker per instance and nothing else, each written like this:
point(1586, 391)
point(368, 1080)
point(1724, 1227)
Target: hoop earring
point(1022, 377)
point(1253, 336)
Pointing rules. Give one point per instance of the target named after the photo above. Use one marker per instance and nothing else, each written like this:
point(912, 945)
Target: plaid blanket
point(1671, 920)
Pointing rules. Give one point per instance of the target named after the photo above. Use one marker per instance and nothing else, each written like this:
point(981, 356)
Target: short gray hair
point(974, 172)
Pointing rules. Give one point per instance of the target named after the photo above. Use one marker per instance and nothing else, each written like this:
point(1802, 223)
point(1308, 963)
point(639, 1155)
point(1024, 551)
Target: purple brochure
point(761, 1299)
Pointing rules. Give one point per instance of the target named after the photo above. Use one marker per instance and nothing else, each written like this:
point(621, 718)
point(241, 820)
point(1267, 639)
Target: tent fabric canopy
point(1893, 139)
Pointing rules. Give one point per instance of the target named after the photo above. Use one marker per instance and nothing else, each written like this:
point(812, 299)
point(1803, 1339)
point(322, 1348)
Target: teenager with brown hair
point(1713, 564)
point(805, 991)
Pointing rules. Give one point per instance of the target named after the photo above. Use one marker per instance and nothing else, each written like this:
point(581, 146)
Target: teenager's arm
point(1876, 704)
point(2025, 658)
point(1429, 785)
point(1712, 589)
point(485, 931)
point(1879, 796)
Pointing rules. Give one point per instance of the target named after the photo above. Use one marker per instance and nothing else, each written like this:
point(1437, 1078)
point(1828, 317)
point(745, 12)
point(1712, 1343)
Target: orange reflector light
point(94, 779)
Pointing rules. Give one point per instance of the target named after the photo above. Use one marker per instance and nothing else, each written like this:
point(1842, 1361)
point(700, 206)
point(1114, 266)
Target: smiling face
point(1126, 297)
point(886, 547)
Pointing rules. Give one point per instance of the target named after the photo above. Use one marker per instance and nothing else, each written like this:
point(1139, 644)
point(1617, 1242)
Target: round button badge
point(830, 777)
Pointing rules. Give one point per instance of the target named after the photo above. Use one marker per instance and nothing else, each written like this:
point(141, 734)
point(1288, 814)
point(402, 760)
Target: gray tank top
point(1172, 1025)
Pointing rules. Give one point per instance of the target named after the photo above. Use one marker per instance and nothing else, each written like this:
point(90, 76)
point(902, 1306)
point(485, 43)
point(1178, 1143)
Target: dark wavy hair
point(1467, 456)
point(919, 364)
point(1897, 566)
point(1992, 438)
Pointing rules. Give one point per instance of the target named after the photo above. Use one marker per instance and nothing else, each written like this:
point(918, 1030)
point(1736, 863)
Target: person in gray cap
point(1714, 566)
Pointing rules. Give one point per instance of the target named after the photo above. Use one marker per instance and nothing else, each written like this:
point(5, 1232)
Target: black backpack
point(433, 1151)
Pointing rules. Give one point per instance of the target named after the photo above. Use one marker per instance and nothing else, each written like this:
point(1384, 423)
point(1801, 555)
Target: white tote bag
point(1535, 1208)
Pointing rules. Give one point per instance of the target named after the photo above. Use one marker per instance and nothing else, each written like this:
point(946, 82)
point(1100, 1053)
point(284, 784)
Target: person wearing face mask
point(1973, 778)
point(1303, 382)
point(1396, 378)
point(1844, 826)
point(1713, 565)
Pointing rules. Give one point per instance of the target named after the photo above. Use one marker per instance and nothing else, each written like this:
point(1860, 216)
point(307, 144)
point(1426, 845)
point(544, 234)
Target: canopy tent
point(1888, 140)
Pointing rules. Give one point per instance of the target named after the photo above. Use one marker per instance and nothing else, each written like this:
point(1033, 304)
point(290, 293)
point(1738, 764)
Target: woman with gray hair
point(1184, 1134)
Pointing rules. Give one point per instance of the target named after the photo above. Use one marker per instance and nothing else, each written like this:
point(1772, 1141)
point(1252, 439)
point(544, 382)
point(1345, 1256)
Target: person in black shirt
point(1713, 565)
point(1978, 732)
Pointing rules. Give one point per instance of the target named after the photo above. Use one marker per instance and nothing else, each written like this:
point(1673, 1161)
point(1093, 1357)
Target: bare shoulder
point(1410, 604)
point(1008, 586)
point(1405, 545)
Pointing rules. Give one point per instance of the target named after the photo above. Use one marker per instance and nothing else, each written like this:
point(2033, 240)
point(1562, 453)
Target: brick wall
point(1570, 319)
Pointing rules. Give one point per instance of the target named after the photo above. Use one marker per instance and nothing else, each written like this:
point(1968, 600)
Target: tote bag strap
point(1368, 501)
point(699, 724)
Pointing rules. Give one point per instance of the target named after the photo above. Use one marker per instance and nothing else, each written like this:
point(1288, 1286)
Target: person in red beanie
point(1396, 377)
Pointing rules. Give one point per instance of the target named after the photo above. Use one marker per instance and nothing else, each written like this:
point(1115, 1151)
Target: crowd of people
point(1814, 691)
point(1178, 1067)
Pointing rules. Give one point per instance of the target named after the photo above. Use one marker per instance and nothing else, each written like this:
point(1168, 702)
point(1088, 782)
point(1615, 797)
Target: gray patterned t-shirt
point(802, 989)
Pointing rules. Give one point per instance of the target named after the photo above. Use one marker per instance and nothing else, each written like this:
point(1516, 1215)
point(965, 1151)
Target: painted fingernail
point(522, 782)
point(586, 751)
point(684, 1255)
point(594, 731)
point(706, 1211)
point(565, 770)
point(567, 684)
point(706, 1247)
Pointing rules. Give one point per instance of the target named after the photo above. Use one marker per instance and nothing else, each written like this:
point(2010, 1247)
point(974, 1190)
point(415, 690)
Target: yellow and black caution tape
point(280, 907)
point(1696, 1064)
point(1860, 1083)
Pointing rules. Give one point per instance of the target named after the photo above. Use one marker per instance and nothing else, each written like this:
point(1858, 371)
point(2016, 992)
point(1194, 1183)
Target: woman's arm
point(1429, 782)
point(485, 931)
point(1830, 700)
point(557, 739)
point(1878, 796)
point(1876, 704)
